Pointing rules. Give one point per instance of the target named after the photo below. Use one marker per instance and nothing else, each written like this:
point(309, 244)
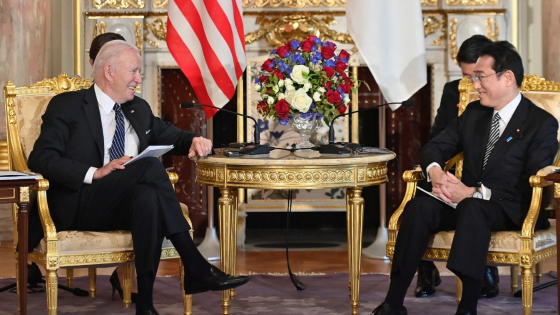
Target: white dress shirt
point(505, 116)
point(108, 124)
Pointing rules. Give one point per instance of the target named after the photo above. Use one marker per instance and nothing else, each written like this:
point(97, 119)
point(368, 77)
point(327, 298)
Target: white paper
point(151, 151)
point(453, 205)
point(13, 175)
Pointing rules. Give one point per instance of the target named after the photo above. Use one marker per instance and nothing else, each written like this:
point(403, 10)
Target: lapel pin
point(509, 139)
point(519, 134)
point(132, 111)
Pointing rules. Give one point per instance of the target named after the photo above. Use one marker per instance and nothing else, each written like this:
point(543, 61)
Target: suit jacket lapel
point(132, 114)
point(91, 109)
point(480, 138)
point(516, 122)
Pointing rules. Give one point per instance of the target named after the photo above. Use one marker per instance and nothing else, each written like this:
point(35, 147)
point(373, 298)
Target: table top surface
point(286, 158)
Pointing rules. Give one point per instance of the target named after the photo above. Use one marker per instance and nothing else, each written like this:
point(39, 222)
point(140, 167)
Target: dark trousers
point(473, 221)
point(139, 198)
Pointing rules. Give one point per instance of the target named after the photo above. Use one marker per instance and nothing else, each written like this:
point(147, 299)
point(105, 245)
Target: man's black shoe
point(385, 309)
point(218, 281)
point(428, 280)
point(463, 312)
point(490, 286)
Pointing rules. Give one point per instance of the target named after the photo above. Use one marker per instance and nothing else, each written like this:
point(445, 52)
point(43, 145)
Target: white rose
point(300, 101)
point(300, 73)
point(281, 96)
point(288, 82)
point(321, 89)
point(257, 87)
point(281, 83)
point(346, 99)
point(290, 88)
point(275, 88)
point(316, 96)
point(270, 100)
point(306, 86)
point(289, 95)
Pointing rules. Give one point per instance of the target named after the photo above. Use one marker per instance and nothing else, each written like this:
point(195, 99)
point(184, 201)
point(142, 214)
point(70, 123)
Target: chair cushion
point(30, 109)
point(506, 241)
point(82, 242)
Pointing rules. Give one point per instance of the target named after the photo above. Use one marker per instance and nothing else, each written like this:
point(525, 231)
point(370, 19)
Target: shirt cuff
point(486, 192)
point(428, 170)
point(89, 175)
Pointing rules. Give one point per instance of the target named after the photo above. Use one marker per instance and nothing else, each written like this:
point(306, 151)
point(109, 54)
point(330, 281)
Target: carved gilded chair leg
point(52, 291)
point(92, 273)
point(187, 299)
point(459, 285)
point(538, 269)
point(70, 277)
point(527, 289)
point(127, 285)
point(514, 276)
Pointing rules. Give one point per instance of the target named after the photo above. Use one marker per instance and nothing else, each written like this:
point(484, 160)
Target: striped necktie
point(492, 138)
point(117, 147)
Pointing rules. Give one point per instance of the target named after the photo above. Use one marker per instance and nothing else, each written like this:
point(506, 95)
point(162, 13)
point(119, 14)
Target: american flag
point(206, 39)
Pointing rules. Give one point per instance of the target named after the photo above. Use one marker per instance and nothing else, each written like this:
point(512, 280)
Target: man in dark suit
point(85, 139)
point(428, 274)
point(503, 133)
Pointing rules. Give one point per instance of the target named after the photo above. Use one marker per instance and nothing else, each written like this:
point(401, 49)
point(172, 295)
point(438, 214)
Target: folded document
point(454, 205)
point(151, 151)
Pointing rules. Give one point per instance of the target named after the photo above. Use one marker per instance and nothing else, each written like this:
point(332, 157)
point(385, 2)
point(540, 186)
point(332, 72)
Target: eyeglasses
point(478, 78)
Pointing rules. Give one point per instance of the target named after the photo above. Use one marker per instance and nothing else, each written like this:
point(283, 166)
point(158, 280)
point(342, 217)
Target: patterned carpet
point(265, 294)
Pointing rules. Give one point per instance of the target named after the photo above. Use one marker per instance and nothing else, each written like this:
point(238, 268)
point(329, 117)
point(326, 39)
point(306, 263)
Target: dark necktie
point(117, 148)
point(492, 138)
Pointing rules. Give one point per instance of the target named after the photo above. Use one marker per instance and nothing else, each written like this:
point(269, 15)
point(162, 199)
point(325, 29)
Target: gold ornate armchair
point(67, 249)
point(525, 248)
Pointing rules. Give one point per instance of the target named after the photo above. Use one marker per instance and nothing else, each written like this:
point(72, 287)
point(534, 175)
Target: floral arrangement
point(306, 78)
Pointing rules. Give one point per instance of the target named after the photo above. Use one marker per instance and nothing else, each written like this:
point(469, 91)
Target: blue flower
point(263, 125)
point(256, 80)
point(317, 40)
point(330, 63)
point(273, 51)
point(314, 48)
point(288, 54)
point(345, 60)
point(318, 55)
point(284, 122)
point(295, 44)
point(297, 58)
point(314, 60)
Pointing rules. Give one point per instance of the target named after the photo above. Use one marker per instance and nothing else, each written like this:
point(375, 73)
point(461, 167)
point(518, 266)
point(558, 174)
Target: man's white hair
point(109, 54)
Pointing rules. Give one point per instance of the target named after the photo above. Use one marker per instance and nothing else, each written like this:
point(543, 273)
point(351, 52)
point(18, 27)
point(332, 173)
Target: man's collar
point(507, 111)
point(104, 101)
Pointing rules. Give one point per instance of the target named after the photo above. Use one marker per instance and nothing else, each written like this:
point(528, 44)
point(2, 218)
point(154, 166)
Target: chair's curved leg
point(127, 285)
point(459, 285)
point(70, 277)
point(538, 269)
point(527, 289)
point(514, 270)
point(52, 291)
point(92, 273)
point(187, 299)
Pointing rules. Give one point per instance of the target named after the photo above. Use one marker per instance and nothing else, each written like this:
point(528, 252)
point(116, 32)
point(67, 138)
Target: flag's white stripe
point(216, 41)
point(227, 6)
point(191, 41)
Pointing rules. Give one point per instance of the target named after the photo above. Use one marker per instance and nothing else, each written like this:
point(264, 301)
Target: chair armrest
point(411, 177)
point(43, 207)
point(537, 182)
point(173, 177)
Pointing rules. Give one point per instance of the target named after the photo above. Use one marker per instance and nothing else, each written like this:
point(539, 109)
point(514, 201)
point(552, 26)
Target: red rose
point(345, 87)
point(346, 79)
point(306, 45)
point(327, 85)
point(342, 109)
point(327, 52)
point(340, 66)
point(282, 51)
point(266, 65)
point(311, 37)
point(334, 98)
point(343, 54)
point(328, 71)
point(262, 107)
point(278, 74)
point(331, 44)
point(263, 78)
point(282, 109)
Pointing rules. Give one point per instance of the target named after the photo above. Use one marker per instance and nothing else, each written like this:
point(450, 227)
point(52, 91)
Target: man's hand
point(439, 184)
point(116, 164)
point(457, 189)
point(200, 146)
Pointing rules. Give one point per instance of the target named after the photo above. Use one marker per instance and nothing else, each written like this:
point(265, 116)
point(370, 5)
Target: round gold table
point(292, 172)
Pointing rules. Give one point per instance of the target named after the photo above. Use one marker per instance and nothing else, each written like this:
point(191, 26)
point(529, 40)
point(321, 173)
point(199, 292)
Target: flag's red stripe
point(223, 25)
point(216, 68)
point(239, 24)
point(188, 65)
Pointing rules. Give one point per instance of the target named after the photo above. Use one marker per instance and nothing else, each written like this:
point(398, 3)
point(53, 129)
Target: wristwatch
point(478, 191)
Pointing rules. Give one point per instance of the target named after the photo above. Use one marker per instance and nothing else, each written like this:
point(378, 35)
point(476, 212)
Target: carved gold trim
point(492, 30)
point(160, 4)
point(537, 83)
point(432, 24)
point(116, 4)
point(471, 2)
point(429, 3)
point(138, 36)
point(453, 39)
point(24, 194)
point(158, 28)
point(293, 4)
point(556, 190)
point(277, 30)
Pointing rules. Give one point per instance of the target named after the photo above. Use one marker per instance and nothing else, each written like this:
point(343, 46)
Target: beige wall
point(551, 39)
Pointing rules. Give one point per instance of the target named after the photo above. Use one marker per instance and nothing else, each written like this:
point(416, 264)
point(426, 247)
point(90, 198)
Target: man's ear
point(510, 78)
point(108, 72)
point(91, 62)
